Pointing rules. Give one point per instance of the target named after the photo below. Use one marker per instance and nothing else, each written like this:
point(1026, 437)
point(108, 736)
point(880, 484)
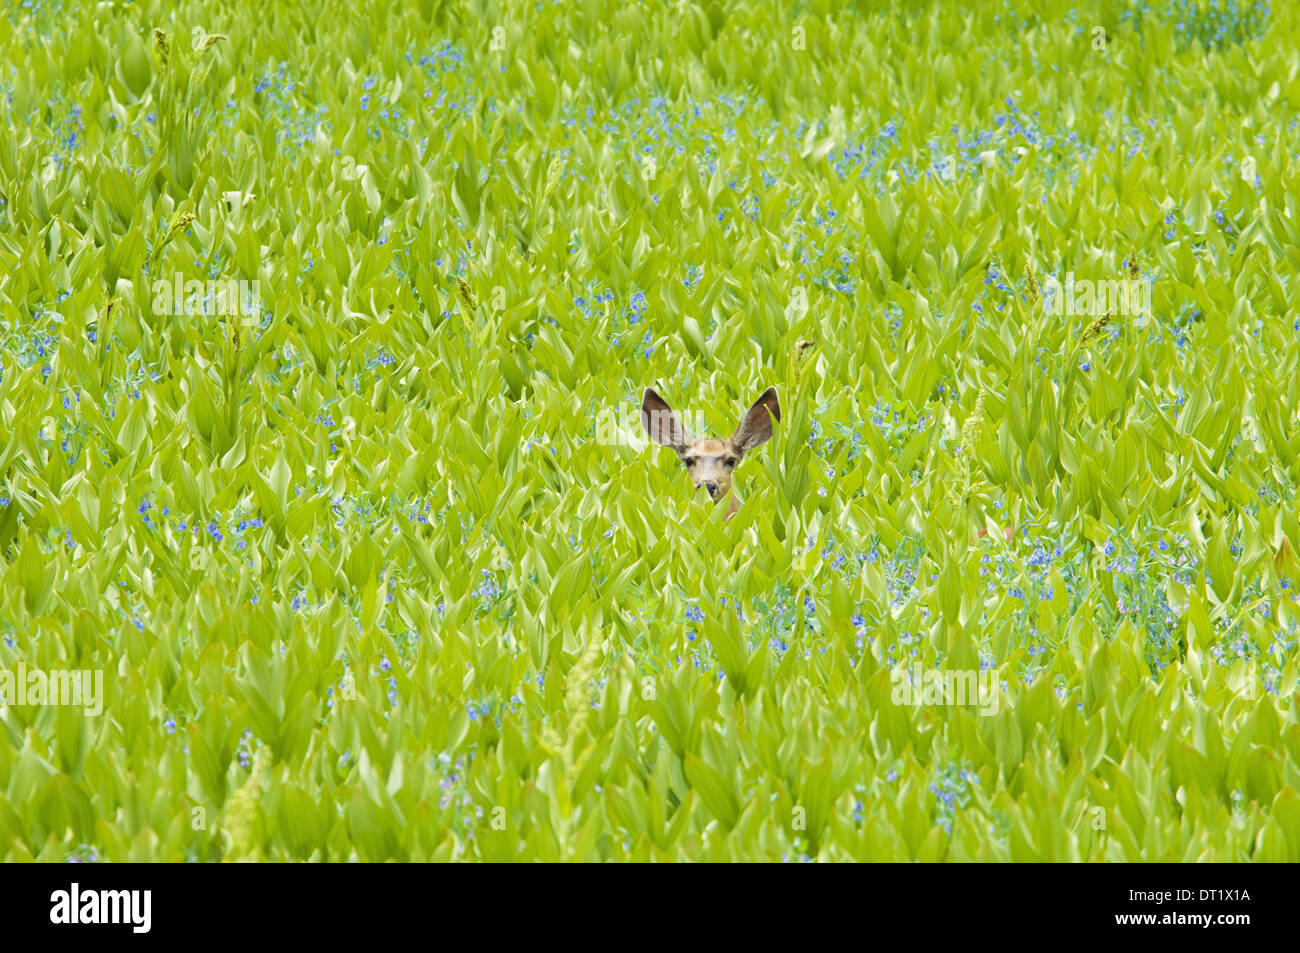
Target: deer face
point(709, 462)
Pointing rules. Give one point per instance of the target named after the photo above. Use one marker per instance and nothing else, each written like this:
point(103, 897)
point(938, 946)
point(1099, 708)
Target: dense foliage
point(365, 574)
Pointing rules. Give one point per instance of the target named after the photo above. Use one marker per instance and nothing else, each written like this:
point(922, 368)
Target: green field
point(369, 557)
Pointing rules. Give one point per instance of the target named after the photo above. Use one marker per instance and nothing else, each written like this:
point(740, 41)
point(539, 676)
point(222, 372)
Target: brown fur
point(711, 462)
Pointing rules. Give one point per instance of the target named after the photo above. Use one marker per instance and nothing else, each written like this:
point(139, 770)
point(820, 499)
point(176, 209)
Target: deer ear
point(756, 426)
point(661, 422)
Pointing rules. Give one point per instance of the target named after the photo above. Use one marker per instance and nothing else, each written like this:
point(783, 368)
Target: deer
point(710, 463)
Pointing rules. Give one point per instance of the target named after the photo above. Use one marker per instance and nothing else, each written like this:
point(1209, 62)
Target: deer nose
point(712, 488)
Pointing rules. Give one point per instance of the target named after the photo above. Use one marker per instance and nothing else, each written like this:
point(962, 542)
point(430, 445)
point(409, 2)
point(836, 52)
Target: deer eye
point(688, 462)
point(732, 461)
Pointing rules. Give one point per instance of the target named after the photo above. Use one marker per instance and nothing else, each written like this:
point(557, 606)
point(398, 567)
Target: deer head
point(710, 463)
